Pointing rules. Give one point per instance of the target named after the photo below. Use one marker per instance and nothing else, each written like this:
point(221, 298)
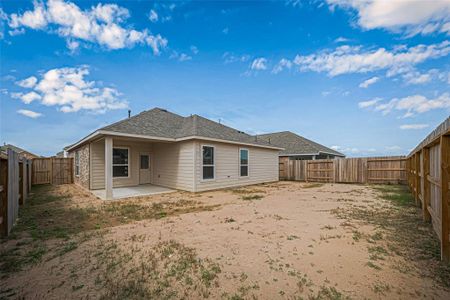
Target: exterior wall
point(83, 178)
point(98, 162)
point(174, 165)
point(263, 166)
point(179, 165)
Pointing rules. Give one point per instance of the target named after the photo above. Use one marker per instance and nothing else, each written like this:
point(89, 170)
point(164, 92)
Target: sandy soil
point(288, 244)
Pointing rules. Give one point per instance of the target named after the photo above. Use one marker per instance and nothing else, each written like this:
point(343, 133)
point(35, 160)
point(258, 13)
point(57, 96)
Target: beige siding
point(98, 162)
point(174, 165)
point(263, 166)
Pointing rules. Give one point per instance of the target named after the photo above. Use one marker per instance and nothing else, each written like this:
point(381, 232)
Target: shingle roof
point(159, 122)
point(295, 144)
point(16, 149)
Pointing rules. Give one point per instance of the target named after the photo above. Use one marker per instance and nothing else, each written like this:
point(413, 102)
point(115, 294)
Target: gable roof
point(159, 123)
point(294, 144)
point(16, 149)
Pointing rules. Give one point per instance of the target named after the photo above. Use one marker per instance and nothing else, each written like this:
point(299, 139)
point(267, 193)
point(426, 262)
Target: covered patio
point(133, 191)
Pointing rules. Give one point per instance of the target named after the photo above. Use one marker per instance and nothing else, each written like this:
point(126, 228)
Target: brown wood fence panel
point(346, 170)
point(14, 188)
point(41, 171)
point(428, 176)
point(320, 170)
point(52, 170)
point(386, 170)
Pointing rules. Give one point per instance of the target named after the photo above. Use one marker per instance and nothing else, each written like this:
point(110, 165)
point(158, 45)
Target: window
point(77, 163)
point(120, 162)
point(144, 162)
point(243, 162)
point(208, 162)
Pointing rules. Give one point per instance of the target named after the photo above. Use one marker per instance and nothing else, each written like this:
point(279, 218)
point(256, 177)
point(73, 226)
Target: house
point(161, 148)
point(299, 148)
point(18, 150)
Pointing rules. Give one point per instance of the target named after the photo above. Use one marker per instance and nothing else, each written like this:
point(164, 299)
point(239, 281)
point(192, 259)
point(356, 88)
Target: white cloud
point(369, 103)
point(29, 113)
point(393, 148)
point(353, 59)
point(368, 82)
point(3, 19)
point(409, 17)
point(68, 89)
point(346, 150)
point(231, 58)
point(259, 64)
point(282, 64)
point(413, 105)
point(194, 49)
point(27, 98)
point(413, 126)
point(225, 30)
point(341, 39)
point(101, 24)
point(27, 83)
point(184, 57)
point(415, 77)
point(35, 19)
point(180, 56)
point(153, 16)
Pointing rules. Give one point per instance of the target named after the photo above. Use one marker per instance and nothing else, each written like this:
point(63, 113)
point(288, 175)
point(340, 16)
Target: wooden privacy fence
point(428, 176)
point(346, 170)
point(15, 184)
point(53, 170)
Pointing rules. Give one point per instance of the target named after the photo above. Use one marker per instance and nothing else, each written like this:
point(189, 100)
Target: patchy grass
point(381, 288)
point(168, 270)
point(400, 227)
point(50, 214)
point(398, 194)
point(252, 197)
point(330, 293)
point(244, 191)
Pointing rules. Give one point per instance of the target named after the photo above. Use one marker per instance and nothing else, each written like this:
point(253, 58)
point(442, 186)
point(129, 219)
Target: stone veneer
point(83, 178)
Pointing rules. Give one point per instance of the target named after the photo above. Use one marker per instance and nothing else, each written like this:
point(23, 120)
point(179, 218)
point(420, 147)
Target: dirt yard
point(272, 241)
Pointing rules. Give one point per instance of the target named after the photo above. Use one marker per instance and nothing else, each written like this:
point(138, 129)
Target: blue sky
point(366, 78)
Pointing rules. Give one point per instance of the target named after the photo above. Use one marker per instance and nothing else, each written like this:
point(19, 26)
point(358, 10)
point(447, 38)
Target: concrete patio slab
point(133, 191)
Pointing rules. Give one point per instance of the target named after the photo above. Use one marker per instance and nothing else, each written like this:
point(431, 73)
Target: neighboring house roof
point(16, 149)
point(294, 144)
point(161, 124)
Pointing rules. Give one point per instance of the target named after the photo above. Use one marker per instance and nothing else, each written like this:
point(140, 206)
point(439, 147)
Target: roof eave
point(120, 134)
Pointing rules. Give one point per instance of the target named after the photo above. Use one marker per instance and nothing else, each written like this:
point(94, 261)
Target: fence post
point(426, 185)
point(306, 171)
point(416, 178)
point(30, 170)
point(4, 196)
point(445, 197)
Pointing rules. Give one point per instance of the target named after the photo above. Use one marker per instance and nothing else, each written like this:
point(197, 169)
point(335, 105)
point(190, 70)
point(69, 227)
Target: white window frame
point(248, 162)
point(213, 164)
point(121, 165)
point(77, 163)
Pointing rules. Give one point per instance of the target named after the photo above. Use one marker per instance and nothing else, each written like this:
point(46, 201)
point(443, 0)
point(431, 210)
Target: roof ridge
point(228, 127)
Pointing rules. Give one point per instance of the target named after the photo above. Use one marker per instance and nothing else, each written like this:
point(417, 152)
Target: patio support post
point(108, 168)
